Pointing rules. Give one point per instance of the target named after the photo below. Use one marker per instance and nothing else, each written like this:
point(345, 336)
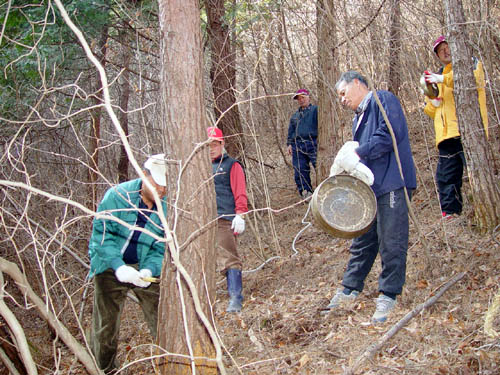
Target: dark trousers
point(449, 172)
point(388, 236)
point(109, 298)
point(303, 154)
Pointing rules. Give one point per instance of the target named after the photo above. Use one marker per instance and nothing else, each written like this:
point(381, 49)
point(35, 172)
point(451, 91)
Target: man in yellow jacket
point(451, 162)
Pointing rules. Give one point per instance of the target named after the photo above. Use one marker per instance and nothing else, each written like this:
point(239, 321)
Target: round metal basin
point(343, 206)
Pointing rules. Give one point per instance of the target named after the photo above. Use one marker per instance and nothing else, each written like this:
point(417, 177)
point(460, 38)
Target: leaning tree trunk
point(329, 137)
point(191, 198)
point(485, 192)
point(223, 77)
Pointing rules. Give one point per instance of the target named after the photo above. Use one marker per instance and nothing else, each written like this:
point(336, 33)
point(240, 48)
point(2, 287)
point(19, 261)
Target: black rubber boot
point(234, 288)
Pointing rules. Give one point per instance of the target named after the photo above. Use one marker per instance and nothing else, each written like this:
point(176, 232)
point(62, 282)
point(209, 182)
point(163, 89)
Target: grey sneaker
point(340, 298)
point(384, 306)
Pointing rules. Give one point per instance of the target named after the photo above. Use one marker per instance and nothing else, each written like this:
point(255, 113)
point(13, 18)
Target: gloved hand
point(145, 272)
point(349, 160)
point(436, 102)
point(127, 274)
point(346, 148)
point(335, 169)
point(433, 77)
point(238, 225)
point(363, 173)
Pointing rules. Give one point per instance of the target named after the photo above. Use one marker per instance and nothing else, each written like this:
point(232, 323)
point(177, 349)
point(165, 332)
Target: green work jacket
point(110, 239)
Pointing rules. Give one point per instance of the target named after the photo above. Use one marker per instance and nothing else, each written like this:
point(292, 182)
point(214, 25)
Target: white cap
point(158, 169)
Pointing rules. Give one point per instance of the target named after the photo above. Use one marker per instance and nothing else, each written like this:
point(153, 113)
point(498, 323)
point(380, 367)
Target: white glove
point(436, 102)
point(127, 274)
point(238, 225)
point(346, 148)
point(349, 160)
point(145, 272)
point(335, 169)
point(363, 173)
point(433, 77)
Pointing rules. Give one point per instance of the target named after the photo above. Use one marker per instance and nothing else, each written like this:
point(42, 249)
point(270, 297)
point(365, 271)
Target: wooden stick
point(372, 349)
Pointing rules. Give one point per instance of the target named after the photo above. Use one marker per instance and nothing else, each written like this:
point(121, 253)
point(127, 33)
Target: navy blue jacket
point(303, 124)
point(376, 148)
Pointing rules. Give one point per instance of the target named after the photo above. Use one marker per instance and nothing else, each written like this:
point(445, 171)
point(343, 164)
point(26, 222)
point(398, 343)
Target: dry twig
point(372, 349)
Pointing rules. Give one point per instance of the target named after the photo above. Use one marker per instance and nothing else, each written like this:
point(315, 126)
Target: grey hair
point(350, 76)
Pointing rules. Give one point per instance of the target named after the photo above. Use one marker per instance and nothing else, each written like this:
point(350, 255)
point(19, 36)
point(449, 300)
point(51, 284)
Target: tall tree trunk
point(95, 129)
point(193, 205)
point(124, 98)
point(328, 131)
point(223, 76)
point(485, 193)
point(394, 72)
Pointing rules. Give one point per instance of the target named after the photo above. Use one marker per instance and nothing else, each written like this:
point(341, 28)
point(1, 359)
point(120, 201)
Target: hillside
point(281, 330)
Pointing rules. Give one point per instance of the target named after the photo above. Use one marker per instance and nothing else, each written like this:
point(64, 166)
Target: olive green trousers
point(109, 299)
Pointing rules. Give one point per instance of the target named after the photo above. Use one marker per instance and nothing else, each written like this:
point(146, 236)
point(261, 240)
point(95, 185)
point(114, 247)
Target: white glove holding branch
point(433, 77)
point(238, 225)
point(127, 274)
point(145, 272)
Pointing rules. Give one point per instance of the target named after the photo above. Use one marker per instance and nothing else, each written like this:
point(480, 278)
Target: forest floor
point(281, 329)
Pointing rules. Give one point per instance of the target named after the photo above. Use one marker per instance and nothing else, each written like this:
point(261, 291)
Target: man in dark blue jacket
point(302, 141)
point(373, 146)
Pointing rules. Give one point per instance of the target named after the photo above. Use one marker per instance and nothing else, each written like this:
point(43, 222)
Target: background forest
point(60, 150)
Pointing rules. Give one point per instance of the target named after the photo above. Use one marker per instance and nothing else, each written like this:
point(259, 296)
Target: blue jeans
point(388, 236)
point(303, 154)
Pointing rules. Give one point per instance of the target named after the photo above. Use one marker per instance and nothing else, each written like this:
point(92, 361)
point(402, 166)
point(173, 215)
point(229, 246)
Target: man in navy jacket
point(302, 141)
point(373, 146)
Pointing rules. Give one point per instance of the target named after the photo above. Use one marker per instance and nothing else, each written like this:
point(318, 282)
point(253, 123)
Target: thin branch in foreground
point(372, 349)
point(44, 311)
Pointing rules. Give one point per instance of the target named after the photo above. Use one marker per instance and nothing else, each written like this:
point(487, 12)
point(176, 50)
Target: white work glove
point(436, 102)
point(346, 148)
point(335, 169)
point(349, 161)
point(363, 173)
point(127, 274)
point(238, 225)
point(433, 77)
point(145, 272)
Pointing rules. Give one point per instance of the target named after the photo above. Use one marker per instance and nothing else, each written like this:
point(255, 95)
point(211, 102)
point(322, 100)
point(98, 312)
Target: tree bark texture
point(190, 192)
point(484, 188)
point(124, 98)
point(223, 77)
point(329, 135)
point(395, 71)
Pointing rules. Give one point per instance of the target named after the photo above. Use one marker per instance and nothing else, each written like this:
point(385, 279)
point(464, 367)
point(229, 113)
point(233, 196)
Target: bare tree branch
point(81, 353)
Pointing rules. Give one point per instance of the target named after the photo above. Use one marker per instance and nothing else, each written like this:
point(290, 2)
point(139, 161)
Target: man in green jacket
point(123, 258)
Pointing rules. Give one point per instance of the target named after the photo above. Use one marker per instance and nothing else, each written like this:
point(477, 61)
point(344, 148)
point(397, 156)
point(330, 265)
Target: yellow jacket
point(445, 117)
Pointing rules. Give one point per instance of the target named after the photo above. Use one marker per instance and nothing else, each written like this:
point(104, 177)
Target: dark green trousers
point(109, 299)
